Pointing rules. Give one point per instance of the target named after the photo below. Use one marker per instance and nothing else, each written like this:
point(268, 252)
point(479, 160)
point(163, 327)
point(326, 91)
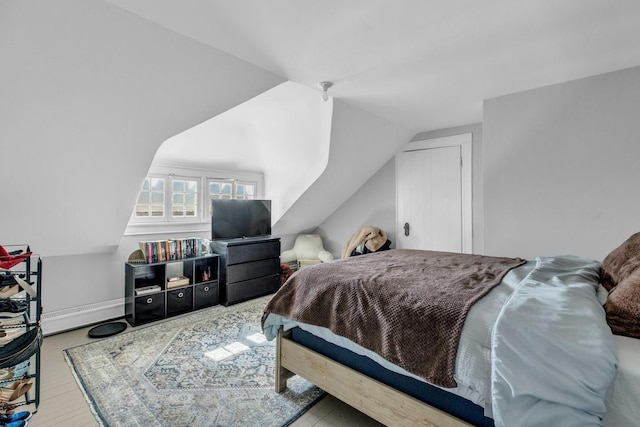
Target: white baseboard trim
point(78, 317)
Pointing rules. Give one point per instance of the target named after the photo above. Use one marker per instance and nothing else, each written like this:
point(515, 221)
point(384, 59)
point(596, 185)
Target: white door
point(432, 196)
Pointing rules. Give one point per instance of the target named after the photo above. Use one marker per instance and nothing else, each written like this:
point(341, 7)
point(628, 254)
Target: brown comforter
point(408, 306)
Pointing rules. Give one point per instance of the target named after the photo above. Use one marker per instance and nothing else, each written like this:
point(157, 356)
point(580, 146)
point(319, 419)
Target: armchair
point(307, 249)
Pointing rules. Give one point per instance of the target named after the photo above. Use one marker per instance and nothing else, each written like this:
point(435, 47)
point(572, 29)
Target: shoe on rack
point(9, 291)
point(13, 386)
point(12, 331)
point(9, 334)
point(7, 279)
point(16, 373)
point(11, 323)
point(12, 308)
point(17, 416)
point(16, 384)
point(9, 394)
point(11, 373)
point(7, 373)
point(19, 423)
point(21, 369)
point(11, 278)
point(7, 408)
point(8, 260)
point(26, 286)
point(21, 348)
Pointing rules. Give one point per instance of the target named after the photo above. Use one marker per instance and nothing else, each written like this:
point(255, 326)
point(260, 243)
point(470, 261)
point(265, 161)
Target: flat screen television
point(235, 219)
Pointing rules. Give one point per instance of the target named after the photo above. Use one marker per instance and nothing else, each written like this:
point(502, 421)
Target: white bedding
point(553, 354)
point(623, 398)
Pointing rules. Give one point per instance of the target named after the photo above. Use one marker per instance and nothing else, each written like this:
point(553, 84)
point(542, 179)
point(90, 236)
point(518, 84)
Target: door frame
point(464, 141)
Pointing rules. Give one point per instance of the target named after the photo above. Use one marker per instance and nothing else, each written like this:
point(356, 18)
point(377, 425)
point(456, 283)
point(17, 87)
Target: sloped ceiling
point(422, 64)
point(282, 132)
point(88, 92)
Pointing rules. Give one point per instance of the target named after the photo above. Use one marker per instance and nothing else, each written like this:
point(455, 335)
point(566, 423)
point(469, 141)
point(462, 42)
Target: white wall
point(554, 171)
point(88, 92)
point(360, 144)
point(561, 167)
point(373, 204)
point(283, 132)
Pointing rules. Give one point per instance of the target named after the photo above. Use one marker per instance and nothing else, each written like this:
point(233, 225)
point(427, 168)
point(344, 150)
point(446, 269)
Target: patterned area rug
point(212, 367)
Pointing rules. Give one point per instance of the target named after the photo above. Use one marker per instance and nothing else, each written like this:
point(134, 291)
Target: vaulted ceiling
point(422, 64)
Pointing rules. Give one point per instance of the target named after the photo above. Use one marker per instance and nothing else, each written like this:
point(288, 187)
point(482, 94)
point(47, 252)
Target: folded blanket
point(373, 237)
point(408, 306)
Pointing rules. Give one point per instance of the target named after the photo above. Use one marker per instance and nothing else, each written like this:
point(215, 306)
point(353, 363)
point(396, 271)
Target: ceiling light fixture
point(325, 87)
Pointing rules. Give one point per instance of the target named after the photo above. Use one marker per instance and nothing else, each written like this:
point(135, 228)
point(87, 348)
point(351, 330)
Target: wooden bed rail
point(379, 401)
point(282, 374)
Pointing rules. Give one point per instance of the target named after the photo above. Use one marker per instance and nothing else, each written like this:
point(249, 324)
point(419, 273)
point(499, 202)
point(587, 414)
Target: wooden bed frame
point(379, 401)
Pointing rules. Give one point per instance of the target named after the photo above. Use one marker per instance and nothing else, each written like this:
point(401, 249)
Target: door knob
point(406, 228)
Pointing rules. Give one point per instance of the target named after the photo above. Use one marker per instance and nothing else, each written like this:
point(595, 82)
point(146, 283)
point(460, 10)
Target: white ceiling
point(423, 64)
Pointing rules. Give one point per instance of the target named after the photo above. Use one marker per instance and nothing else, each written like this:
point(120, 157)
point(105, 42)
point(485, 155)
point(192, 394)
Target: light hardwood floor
point(62, 404)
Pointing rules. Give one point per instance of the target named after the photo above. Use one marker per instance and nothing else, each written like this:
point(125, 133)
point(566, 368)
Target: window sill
point(141, 229)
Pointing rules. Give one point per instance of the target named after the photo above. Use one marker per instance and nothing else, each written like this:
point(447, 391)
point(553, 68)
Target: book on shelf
point(174, 249)
point(147, 290)
point(176, 282)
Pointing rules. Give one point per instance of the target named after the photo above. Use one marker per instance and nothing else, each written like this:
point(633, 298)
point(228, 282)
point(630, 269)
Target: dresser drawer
point(248, 289)
point(252, 252)
point(252, 270)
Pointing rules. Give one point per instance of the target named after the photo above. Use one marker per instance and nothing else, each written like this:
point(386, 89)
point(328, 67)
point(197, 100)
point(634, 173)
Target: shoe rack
point(20, 383)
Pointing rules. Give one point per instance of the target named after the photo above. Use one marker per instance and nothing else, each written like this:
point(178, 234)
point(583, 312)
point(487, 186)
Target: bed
point(532, 343)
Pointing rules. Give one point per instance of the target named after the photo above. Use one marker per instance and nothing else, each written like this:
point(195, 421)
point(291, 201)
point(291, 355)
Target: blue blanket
point(554, 356)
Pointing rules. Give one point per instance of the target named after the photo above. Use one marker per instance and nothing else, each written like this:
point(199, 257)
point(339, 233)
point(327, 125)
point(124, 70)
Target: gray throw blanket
point(408, 306)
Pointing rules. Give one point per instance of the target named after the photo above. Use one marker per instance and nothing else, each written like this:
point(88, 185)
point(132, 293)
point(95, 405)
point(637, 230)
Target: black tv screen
point(234, 219)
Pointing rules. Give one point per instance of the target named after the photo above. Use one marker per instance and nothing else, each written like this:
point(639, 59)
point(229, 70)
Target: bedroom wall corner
point(372, 204)
point(560, 167)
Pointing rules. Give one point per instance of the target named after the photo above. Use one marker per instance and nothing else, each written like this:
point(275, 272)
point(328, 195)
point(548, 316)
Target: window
point(174, 198)
point(245, 190)
point(230, 189)
point(151, 198)
point(184, 198)
point(220, 189)
point(171, 194)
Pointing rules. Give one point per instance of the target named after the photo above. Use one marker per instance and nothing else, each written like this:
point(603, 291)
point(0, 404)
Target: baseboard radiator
point(78, 317)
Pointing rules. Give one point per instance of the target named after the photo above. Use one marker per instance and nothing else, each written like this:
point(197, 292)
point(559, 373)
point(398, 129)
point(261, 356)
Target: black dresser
point(249, 267)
